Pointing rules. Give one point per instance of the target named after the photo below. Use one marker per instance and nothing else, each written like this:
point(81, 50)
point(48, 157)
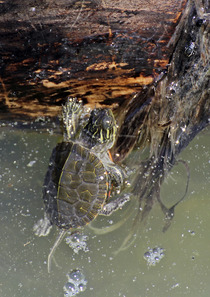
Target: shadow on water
point(183, 271)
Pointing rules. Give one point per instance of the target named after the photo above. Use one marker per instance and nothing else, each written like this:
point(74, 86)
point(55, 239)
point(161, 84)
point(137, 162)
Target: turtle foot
point(110, 207)
point(42, 227)
point(71, 116)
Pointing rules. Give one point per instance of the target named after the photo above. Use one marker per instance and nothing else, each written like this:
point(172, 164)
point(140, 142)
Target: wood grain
point(101, 51)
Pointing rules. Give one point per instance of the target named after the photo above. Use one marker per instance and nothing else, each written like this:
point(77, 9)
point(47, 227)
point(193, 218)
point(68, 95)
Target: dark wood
point(102, 51)
point(168, 115)
point(178, 102)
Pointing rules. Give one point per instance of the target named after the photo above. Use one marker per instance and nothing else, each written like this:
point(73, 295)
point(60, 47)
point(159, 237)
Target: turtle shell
point(75, 186)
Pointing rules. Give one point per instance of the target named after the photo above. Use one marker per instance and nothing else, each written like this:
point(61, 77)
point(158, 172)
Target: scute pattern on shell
point(75, 187)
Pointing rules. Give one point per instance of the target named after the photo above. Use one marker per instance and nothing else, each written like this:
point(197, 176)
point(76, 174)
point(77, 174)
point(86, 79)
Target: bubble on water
point(175, 286)
point(76, 275)
point(155, 251)
point(153, 256)
point(69, 288)
point(82, 287)
point(77, 241)
point(191, 232)
point(76, 283)
point(147, 255)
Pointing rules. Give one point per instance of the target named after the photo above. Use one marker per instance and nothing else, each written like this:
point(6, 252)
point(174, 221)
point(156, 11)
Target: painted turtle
point(77, 183)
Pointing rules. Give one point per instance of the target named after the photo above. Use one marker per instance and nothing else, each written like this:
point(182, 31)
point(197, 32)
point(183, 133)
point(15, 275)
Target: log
point(101, 51)
point(168, 115)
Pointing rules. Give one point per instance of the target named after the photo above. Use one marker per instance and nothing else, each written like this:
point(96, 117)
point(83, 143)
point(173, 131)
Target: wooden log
point(102, 51)
point(178, 104)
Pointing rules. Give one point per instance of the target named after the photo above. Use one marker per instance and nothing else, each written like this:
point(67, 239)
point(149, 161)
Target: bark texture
point(102, 51)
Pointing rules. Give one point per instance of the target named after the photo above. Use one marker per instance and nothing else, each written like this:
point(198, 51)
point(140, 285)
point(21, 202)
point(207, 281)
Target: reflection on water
point(184, 270)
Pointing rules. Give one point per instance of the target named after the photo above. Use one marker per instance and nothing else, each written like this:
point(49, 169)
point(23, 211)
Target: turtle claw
point(71, 116)
point(42, 227)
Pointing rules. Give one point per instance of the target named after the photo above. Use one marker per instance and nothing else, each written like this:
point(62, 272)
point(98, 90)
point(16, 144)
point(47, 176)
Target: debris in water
point(31, 163)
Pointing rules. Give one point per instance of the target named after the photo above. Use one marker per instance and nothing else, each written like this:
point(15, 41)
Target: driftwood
point(147, 60)
point(102, 51)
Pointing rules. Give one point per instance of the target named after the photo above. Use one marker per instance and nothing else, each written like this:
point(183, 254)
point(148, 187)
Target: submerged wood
point(175, 110)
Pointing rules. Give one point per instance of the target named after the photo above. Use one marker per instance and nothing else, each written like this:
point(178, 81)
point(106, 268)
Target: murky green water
point(184, 271)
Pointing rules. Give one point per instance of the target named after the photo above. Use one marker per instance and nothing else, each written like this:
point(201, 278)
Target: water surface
point(183, 271)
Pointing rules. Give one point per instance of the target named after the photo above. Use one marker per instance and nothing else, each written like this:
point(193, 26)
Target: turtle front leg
point(116, 172)
point(71, 115)
point(114, 205)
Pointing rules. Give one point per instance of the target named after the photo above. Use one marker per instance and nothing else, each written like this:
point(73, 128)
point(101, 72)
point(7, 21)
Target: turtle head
point(100, 128)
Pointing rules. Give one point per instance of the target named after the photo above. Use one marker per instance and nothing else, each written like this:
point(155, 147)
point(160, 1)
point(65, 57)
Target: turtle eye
point(107, 123)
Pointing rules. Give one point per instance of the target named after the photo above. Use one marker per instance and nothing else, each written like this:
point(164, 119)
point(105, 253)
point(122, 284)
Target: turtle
point(81, 172)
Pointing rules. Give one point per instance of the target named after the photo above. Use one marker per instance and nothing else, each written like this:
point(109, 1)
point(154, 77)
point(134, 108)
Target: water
point(183, 271)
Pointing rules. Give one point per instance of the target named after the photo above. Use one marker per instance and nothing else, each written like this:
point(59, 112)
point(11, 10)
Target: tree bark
point(101, 51)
